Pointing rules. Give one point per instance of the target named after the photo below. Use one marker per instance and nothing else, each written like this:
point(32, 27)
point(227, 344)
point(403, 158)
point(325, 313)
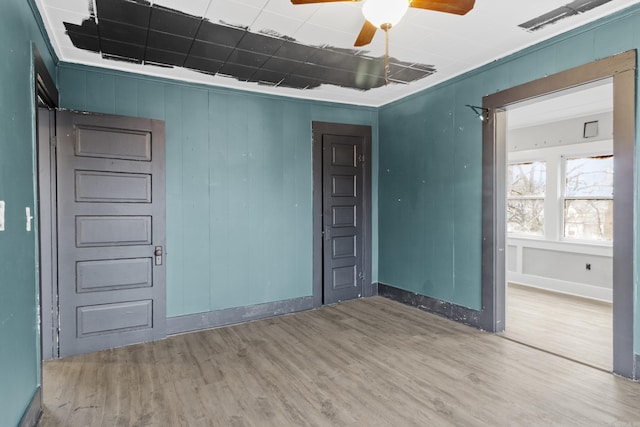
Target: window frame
point(563, 197)
point(543, 197)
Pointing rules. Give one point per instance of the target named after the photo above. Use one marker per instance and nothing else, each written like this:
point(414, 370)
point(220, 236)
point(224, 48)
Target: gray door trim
point(622, 69)
point(318, 129)
point(46, 93)
point(47, 233)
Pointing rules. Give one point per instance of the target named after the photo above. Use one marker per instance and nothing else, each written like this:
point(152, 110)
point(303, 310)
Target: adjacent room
point(560, 225)
point(317, 212)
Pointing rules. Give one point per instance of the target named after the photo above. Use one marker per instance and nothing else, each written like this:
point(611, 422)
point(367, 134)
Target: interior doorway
point(621, 69)
point(559, 216)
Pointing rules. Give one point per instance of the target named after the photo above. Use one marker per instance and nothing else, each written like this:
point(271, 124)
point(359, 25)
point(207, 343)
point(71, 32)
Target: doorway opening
point(621, 69)
point(559, 216)
point(341, 212)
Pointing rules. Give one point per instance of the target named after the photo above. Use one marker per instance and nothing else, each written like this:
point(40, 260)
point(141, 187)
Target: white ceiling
point(568, 104)
point(452, 44)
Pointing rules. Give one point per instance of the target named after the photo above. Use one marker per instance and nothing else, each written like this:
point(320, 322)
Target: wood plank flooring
point(574, 327)
point(369, 362)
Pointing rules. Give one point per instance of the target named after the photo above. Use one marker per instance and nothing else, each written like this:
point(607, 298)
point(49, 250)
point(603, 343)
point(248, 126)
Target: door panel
point(111, 220)
point(343, 190)
point(109, 187)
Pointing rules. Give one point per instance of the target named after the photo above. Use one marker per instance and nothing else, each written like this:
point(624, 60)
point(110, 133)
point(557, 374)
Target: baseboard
point(214, 319)
point(374, 289)
point(637, 368)
point(562, 286)
point(446, 309)
point(34, 411)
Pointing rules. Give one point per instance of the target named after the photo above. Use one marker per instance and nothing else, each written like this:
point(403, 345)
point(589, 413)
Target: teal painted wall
point(431, 164)
point(239, 183)
point(19, 336)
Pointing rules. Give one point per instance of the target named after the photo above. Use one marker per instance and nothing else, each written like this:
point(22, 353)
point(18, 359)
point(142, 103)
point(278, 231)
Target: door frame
point(45, 89)
point(621, 68)
point(317, 130)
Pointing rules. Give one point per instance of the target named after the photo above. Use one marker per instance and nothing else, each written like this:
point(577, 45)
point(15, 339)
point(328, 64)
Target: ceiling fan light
point(380, 12)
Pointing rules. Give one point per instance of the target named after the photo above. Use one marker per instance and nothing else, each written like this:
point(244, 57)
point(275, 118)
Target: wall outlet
point(1, 215)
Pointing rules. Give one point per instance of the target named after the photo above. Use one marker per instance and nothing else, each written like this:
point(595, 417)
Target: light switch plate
point(29, 217)
point(1, 215)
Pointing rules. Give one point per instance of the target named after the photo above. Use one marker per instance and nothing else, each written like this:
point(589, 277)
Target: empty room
point(308, 212)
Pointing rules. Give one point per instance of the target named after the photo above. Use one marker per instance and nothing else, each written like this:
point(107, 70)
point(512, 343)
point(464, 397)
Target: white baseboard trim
point(571, 288)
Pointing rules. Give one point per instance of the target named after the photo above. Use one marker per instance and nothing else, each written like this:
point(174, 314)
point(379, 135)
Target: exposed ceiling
point(569, 104)
point(303, 51)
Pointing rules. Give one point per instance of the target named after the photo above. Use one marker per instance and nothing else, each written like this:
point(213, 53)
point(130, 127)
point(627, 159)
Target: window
point(588, 198)
point(526, 185)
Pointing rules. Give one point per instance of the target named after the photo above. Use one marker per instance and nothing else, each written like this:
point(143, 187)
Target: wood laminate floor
point(369, 362)
point(573, 327)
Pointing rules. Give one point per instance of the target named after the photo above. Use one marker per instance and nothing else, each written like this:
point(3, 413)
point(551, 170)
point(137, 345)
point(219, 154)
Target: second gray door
point(111, 231)
point(343, 212)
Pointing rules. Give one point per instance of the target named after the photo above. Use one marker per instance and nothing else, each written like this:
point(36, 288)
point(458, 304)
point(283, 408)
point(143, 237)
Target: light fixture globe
point(381, 12)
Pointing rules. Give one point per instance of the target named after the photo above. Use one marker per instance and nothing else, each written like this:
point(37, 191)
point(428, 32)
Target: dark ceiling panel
point(173, 22)
point(586, 5)
point(260, 43)
point(119, 31)
point(562, 12)
point(87, 28)
point(220, 34)
point(170, 42)
point(164, 57)
point(295, 51)
point(372, 66)
point(135, 31)
point(240, 72)
point(125, 50)
point(337, 60)
point(423, 67)
point(249, 59)
point(210, 50)
point(85, 42)
point(282, 66)
point(203, 65)
point(405, 74)
point(298, 82)
point(133, 12)
point(267, 77)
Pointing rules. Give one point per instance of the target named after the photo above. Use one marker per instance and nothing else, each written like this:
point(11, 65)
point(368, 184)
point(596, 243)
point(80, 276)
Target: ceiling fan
point(385, 14)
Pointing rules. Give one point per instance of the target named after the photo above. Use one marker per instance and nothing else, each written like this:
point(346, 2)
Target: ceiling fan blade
point(366, 34)
point(317, 1)
point(459, 7)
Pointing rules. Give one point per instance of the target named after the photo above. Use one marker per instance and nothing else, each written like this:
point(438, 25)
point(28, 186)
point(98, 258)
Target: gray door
point(111, 225)
point(342, 202)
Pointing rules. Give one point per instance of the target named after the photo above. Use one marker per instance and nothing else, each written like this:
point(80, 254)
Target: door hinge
point(54, 141)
